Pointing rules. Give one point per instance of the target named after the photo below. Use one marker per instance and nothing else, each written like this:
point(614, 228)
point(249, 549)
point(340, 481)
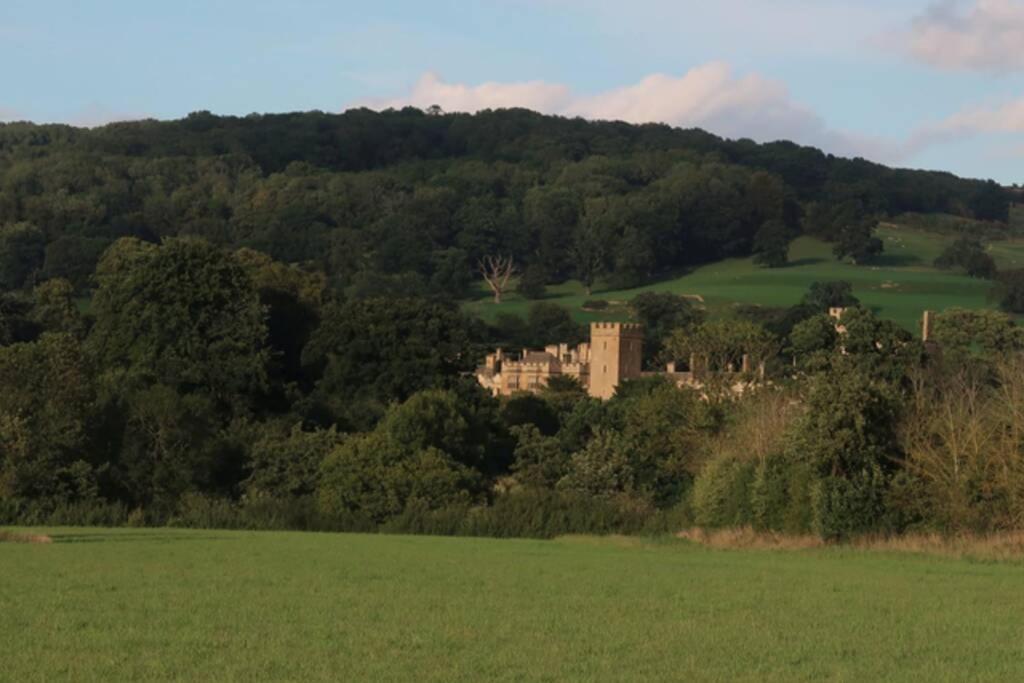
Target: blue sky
point(908, 82)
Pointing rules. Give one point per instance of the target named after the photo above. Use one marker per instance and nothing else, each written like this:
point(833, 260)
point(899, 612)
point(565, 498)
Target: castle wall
point(616, 354)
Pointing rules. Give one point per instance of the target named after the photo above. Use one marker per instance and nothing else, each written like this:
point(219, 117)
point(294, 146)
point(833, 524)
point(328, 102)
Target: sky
point(915, 83)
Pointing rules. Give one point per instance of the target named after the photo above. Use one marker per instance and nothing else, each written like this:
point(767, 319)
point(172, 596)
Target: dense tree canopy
point(402, 201)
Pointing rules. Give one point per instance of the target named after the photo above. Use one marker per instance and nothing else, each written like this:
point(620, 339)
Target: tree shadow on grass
point(809, 261)
point(895, 261)
point(134, 537)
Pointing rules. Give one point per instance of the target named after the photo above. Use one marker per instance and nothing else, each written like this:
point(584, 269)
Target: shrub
point(780, 496)
point(595, 305)
point(847, 506)
point(721, 494)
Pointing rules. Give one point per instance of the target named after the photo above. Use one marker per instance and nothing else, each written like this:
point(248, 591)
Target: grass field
point(171, 604)
point(899, 286)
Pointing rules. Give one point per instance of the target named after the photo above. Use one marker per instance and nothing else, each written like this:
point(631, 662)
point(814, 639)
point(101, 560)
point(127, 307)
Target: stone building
point(614, 354)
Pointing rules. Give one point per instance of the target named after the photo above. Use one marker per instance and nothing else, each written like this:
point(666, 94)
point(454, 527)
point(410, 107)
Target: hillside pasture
point(898, 286)
point(169, 604)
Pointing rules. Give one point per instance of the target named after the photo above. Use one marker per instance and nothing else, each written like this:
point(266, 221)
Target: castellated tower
point(616, 352)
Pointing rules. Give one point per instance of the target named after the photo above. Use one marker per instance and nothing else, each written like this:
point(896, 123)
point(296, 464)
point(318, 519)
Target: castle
point(613, 355)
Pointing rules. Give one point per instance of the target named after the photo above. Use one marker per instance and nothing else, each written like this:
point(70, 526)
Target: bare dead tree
point(497, 271)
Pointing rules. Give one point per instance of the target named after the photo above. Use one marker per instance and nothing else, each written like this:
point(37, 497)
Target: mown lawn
point(216, 605)
point(898, 286)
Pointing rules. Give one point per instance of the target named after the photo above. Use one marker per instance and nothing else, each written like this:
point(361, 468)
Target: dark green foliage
point(969, 254)
point(46, 408)
point(527, 409)
point(722, 493)
point(661, 314)
point(825, 295)
point(532, 283)
point(990, 202)
point(183, 314)
point(551, 324)
point(1009, 290)
point(325, 381)
point(73, 258)
point(22, 251)
point(850, 423)
point(374, 351)
point(54, 308)
point(781, 495)
point(845, 506)
point(287, 464)
point(989, 332)
point(858, 244)
point(405, 202)
point(539, 461)
point(771, 244)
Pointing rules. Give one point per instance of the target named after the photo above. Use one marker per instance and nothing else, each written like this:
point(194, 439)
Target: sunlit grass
point(899, 286)
point(188, 605)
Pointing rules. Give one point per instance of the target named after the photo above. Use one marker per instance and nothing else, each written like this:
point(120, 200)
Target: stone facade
point(614, 354)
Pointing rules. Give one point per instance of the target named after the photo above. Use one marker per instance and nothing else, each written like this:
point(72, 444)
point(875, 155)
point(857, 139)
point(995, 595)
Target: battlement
point(606, 328)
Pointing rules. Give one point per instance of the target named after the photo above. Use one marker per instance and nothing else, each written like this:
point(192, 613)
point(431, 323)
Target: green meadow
point(169, 604)
point(898, 286)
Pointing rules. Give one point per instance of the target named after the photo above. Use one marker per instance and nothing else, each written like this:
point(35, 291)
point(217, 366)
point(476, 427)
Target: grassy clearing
point(899, 286)
point(173, 604)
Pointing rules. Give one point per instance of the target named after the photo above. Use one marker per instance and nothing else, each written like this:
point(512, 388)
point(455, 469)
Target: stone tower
point(616, 353)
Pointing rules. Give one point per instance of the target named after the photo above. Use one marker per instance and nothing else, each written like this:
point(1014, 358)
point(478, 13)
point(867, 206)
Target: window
point(606, 369)
point(606, 346)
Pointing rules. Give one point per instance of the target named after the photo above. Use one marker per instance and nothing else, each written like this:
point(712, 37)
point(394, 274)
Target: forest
point(254, 322)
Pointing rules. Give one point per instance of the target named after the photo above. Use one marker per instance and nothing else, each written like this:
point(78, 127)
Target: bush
point(722, 493)
point(844, 507)
point(531, 514)
point(595, 305)
point(780, 496)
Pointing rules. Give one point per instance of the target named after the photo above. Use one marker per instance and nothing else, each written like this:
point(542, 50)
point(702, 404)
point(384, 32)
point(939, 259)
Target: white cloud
point(986, 35)
point(996, 121)
point(710, 96)
point(1004, 118)
point(431, 90)
point(95, 115)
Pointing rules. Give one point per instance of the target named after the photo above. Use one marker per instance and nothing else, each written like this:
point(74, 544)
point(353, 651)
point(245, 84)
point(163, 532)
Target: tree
point(46, 412)
point(990, 332)
point(771, 244)
point(603, 468)
point(549, 323)
point(425, 450)
point(814, 335)
point(588, 254)
point(661, 313)
point(990, 202)
point(825, 295)
point(497, 271)
point(969, 254)
point(22, 251)
point(371, 352)
point(532, 283)
point(184, 314)
point(857, 242)
point(73, 257)
point(721, 344)
point(285, 464)
point(54, 308)
point(1009, 290)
